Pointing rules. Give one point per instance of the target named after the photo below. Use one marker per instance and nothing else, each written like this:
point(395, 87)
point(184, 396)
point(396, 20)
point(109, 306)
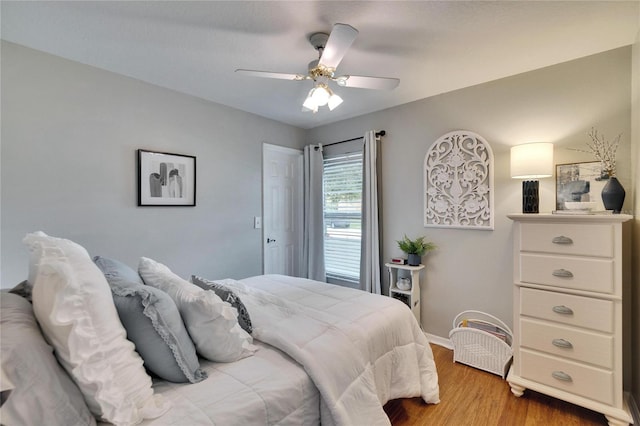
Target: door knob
point(271, 240)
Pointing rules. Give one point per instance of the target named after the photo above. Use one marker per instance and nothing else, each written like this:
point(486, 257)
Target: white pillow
point(74, 307)
point(212, 323)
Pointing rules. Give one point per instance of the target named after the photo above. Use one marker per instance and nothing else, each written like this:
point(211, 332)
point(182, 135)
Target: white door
point(282, 210)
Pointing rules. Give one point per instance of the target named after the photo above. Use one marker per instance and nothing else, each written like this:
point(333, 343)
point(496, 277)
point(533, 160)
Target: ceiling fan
point(331, 49)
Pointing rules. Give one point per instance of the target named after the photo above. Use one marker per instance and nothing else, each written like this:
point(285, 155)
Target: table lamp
point(531, 161)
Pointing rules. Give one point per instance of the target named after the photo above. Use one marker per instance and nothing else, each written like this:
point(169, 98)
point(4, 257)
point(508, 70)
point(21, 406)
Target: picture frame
point(580, 182)
point(166, 179)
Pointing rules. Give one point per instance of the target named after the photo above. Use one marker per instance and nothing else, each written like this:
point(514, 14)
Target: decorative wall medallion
point(458, 182)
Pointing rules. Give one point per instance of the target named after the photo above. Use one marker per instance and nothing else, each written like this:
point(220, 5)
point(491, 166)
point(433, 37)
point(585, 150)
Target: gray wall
point(69, 138)
point(472, 269)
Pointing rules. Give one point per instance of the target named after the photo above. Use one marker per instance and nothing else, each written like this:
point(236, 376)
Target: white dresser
point(571, 275)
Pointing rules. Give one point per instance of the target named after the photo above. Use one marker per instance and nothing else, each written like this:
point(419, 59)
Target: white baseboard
point(440, 341)
point(633, 408)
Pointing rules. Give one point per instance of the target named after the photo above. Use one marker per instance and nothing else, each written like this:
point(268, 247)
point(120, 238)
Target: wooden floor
point(473, 397)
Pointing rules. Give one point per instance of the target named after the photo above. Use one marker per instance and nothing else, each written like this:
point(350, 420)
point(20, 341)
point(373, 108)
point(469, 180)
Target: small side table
point(410, 297)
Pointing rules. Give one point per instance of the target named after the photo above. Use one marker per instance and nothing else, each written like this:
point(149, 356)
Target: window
point(342, 181)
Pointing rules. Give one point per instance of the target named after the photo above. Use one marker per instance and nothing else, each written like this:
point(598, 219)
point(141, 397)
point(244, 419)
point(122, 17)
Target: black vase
point(613, 195)
point(414, 259)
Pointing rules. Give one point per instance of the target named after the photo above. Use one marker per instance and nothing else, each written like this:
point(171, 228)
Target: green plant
point(418, 246)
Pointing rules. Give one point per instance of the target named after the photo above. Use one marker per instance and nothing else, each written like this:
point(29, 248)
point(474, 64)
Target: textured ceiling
point(432, 47)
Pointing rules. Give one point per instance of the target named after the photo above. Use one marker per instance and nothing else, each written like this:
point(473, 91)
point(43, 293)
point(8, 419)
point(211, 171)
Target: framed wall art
point(166, 179)
point(580, 182)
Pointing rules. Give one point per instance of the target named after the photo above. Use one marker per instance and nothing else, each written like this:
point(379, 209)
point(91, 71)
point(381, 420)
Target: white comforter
point(268, 388)
point(359, 349)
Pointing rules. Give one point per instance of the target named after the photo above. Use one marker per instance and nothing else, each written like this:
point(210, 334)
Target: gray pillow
point(39, 391)
point(153, 324)
point(228, 296)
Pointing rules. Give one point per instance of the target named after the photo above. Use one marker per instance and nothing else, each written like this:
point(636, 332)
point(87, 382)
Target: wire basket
point(482, 341)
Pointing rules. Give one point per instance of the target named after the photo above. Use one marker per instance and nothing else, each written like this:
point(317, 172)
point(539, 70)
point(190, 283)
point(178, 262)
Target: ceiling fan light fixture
point(334, 102)
point(310, 103)
point(331, 49)
point(321, 94)
point(305, 109)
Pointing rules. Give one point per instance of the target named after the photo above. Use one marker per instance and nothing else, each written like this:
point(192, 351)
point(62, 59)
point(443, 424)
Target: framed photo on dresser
point(579, 182)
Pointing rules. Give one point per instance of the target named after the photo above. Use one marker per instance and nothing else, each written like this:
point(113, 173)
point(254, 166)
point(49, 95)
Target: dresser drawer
point(586, 240)
point(567, 342)
point(570, 376)
point(578, 311)
point(589, 274)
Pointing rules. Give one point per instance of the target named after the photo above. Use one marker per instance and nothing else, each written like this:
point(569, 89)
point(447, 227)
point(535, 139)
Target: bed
point(322, 354)
point(268, 388)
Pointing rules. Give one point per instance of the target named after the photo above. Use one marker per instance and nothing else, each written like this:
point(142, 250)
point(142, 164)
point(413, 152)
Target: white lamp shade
point(320, 95)
point(334, 101)
point(532, 160)
point(310, 103)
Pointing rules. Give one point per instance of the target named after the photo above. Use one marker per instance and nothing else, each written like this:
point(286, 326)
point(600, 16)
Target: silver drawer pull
point(562, 240)
point(561, 375)
point(562, 273)
point(561, 343)
point(562, 310)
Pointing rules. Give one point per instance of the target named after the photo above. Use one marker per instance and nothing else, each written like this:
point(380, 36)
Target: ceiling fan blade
point(268, 74)
point(340, 39)
point(362, 82)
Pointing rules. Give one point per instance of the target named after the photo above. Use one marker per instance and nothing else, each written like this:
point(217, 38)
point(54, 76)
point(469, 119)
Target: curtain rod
point(378, 134)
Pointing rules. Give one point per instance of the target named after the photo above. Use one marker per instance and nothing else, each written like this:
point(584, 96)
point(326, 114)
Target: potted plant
point(415, 249)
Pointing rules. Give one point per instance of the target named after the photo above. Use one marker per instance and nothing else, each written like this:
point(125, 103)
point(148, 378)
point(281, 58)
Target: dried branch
point(604, 151)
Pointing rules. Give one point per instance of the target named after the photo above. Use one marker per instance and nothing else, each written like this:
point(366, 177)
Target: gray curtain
point(370, 249)
point(313, 227)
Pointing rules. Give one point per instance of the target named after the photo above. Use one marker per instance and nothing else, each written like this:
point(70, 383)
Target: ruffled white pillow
point(74, 307)
point(212, 323)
